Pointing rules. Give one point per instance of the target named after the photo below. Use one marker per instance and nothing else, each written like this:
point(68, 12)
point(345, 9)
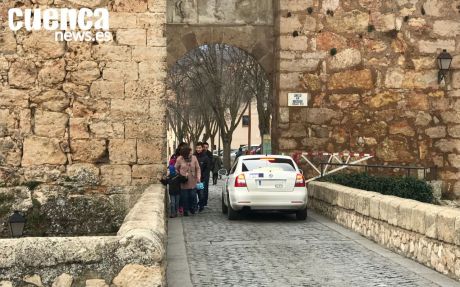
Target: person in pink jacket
point(187, 165)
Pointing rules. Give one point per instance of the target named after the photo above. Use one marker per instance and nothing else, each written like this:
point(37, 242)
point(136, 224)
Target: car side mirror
point(222, 172)
point(301, 171)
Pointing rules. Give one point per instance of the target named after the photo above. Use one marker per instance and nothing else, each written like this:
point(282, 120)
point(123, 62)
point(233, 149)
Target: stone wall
point(426, 233)
point(378, 92)
point(135, 256)
point(71, 109)
point(65, 209)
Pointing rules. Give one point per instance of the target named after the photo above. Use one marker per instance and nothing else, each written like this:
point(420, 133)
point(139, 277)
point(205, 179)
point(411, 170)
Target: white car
point(258, 182)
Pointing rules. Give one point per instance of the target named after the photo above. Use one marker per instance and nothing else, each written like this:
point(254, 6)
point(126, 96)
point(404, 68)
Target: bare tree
point(221, 81)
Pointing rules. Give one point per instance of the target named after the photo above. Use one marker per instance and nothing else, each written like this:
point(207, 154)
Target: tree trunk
point(227, 143)
point(212, 143)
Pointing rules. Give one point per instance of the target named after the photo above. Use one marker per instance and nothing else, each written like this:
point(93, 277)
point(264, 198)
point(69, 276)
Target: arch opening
point(210, 91)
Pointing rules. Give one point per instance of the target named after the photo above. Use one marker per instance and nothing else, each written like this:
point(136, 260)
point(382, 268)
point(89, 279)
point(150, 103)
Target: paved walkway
point(276, 250)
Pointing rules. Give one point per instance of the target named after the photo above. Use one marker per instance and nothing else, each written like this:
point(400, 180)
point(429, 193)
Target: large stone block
point(8, 42)
point(456, 79)
point(44, 44)
point(304, 65)
point(387, 211)
point(150, 54)
point(89, 151)
point(295, 5)
point(384, 22)
point(403, 128)
point(140, 129)
point(150, 151)
point(52, 100)
point(351, 80)
point(155, 21)
point(104, 129)
point(289, 24)
point(436, 132)
point(446, 28)
point(158, 6)
point(129, 108)
point(145, 174)
point(417, 218)
point(348, 22)
point(287, 144)
point(123, 20)
point(107, 89)
point(320, 115)
point(22, 74)
point(363, 202)
point(121, 71)
point(40, 151)
point(122, 151)
point(116, 175)
point(374, 206)
point(406, 207)
point(105, 52)
point(327, 40)
point(86, 73)
point(446, 224)
point(83, 173)
point(290, 43)
point(431, 47)
point(454, 160)
point(345, 59)
point(50, 124)
point(52, 73)
point(130, 6)
point(13, 98)
point(10, 152)
point(63, 280)
point(448, 145)
point(383, 99)
point(431, 221)
point(79, 128)
point(152, 71)
point(132, 37)
point(394, 150)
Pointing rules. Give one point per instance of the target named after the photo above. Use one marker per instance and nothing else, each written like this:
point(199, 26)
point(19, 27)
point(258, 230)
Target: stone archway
point(256, 40)
point(245, 24)
point(192, 23)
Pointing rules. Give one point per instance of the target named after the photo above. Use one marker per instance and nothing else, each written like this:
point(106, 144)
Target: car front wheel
point(301, 214)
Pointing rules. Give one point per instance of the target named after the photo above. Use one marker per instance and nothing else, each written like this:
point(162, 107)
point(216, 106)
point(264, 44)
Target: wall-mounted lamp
point(444, 61)
point(16, 223)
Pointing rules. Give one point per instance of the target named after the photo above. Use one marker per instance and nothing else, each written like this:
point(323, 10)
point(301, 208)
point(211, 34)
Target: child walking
point(173, 181)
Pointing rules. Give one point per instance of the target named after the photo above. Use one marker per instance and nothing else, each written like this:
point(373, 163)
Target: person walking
point(205, 167)
point(172, 170)
point(217, 166)
point(187, 165)
point(211, 168)
point(173, 182)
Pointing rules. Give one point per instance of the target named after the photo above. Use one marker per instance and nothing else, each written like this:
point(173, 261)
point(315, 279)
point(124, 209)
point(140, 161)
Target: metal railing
point(433, 171)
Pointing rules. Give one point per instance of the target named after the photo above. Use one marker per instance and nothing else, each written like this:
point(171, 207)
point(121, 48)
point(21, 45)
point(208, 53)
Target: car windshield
point(268, 164)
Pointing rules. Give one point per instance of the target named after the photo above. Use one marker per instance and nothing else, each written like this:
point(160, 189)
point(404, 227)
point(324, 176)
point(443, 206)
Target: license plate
point(271, 183)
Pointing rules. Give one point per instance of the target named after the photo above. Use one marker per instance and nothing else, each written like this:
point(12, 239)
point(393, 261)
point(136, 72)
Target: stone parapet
point(426, 233)
point(136, 255)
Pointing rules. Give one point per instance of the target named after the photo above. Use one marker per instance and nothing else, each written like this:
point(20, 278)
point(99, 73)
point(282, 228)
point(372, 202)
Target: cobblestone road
point(277, 250)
